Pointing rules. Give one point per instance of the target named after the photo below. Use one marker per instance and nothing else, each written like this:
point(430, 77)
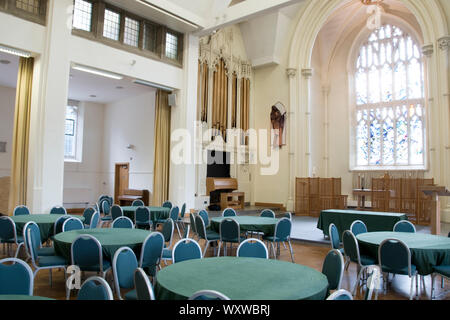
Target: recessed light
point(93, 96)
point(5, 62)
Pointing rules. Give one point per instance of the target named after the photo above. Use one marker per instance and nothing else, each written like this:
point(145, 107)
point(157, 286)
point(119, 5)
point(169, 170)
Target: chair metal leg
point(274, 252)
point(417, 285)
point(411, 289)
point(360, 273)
point(292, 251)
point(50, 276)
point(218, 250)
point(433, 278)
point(18, 249)
point(178, 229)
point(206, 248)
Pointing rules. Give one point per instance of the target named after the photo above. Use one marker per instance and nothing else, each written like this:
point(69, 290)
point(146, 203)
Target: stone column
point(292, 120)
point(326, 127)
point(304, 161)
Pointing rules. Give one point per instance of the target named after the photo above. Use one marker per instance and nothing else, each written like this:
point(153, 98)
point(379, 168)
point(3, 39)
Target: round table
point(426, 250)
point(110, 239)
point(45, 222)
point(249, 223)
point(241, 279)
point(22, 297)
point(156, 213)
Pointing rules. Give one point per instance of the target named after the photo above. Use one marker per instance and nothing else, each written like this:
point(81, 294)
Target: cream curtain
point(162, 149)
point(245, 105)
point(19, 160)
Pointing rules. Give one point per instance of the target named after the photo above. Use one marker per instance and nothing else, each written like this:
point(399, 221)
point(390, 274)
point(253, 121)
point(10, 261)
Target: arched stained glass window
point(390, 108)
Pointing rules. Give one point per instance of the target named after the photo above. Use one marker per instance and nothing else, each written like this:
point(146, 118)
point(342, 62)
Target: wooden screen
point(220, 99)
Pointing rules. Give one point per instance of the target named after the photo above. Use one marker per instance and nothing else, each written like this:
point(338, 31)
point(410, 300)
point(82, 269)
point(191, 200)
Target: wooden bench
point(233, 200)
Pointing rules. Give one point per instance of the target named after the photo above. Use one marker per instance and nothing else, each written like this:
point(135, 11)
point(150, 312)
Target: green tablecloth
point(22, 297)
point(110, 239)
point(426, 250)
point(241, 279)
point(45, 222)
point(375, 221)
point(156, 213)
point(249, 223)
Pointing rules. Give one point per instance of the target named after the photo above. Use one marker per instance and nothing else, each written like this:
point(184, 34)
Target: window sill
point(389, 168)
point(72, 160)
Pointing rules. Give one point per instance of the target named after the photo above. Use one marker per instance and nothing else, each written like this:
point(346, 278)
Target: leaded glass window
point(390, 108)
point(131, 36)
point(171, 46)
point(70, 134)
point(111, 25)
point(82, 15)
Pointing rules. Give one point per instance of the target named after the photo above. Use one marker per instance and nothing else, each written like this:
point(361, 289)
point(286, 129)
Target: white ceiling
point(82, 85)
point(8, 72)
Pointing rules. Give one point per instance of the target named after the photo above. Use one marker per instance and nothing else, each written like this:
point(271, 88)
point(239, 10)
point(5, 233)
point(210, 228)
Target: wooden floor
point(308, 254)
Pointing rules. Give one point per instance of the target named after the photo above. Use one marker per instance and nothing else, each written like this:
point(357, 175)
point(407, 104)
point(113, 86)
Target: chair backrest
point(351, 247)
point(58, 226)
point(174, 212)
point(200, 227)
point(31, 243)
point(124, 264)
point(229, 212)
point(116, 211)
point(404, 226)
point(167, 204)
point(186, 249)
point(252, 248)
point(72, 224)
point(205, 216)
point(395, 255)
point(122, 223)
point(16, 278)
point(106, 207)
point(283, 229)
point(87, 214)
point(167, 231)
point(94, 220)
point(142, 215)
point(7, 229)
point(373, 282)
point(229, 229)
point(288, 215)
point(151, 251)
point(21, 211)
point(144, 289)
point(58, 210)
point(36, 232)
point(137, 203)
point(333, 268)
point(341, 294)
point(358, 227)
point(334, 236)
point(95, 288)
point(86, 251)
point(183, 210)
point(208, 295)
point(192, 222)
point(267, 213)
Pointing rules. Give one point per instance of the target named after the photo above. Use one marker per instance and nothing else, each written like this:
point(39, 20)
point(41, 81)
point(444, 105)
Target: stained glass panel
point(390, 123)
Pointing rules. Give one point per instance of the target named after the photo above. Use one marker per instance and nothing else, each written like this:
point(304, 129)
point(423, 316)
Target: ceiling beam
point(243, 11)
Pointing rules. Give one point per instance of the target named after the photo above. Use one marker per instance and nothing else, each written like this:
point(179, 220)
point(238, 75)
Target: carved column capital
point(427, 50)
point(291, 72)
point(307, 73)
point(444, 43)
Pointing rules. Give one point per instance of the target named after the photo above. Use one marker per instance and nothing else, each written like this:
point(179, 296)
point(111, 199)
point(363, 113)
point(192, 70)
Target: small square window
point(131, 35)
point(171, 46)
point(82, 15)
point(111, 25)
point(31, 6)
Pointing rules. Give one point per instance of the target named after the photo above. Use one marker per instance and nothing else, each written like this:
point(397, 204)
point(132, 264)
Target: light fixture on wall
point(16, 52)
point(151, 84)
point(98, 72)
point(374, 10)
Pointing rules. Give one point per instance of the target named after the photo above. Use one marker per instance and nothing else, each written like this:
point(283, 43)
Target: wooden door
point(121, 180)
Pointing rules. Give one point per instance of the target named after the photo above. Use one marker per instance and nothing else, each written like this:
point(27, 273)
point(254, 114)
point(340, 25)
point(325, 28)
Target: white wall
point(7, 106)
point(129, 121)
point(82, 180)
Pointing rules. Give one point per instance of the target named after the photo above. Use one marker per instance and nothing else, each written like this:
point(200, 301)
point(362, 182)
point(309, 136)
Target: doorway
point(121, 180)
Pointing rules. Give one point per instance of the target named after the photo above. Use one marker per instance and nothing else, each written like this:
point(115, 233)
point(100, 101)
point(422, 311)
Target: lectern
point(435, 192)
